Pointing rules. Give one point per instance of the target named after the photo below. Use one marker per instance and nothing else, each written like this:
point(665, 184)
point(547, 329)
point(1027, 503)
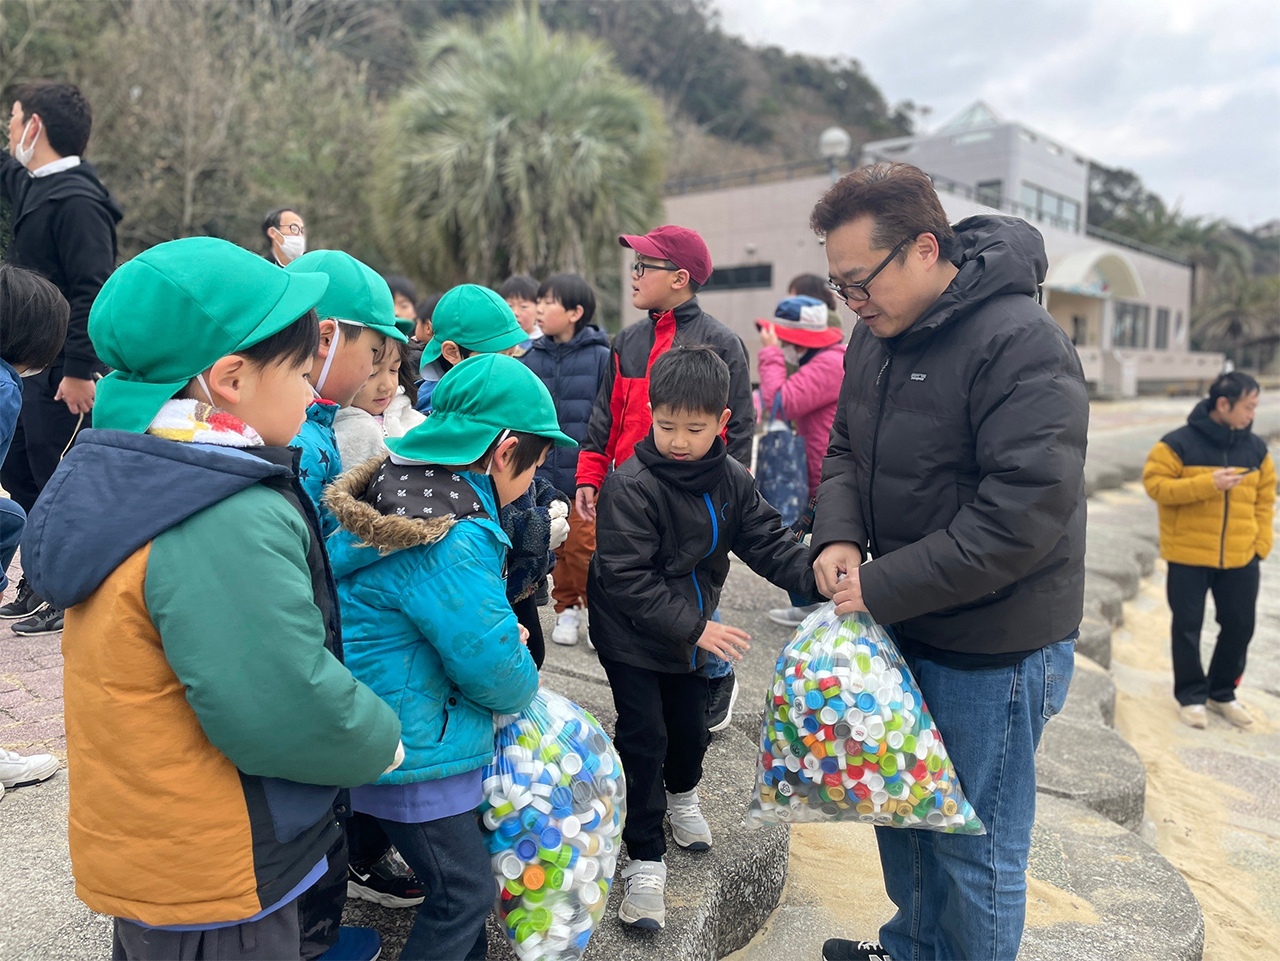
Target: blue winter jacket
point(321, 463)
point(10, 405)
point(573, 373)
point(426, 624)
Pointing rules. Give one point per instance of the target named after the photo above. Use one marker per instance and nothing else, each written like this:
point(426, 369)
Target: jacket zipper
point(715, 539)
point(1226, 504)
point(875, 439)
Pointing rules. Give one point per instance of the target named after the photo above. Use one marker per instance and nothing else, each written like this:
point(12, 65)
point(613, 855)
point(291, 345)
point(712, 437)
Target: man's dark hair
point(401, 287)
point(570, 291)
point(33, 318)
point(294, 345)
point(898, 197)
point(427, 306)
point(528, 450)
point(1233, 387)
point(272, 219)
point(63, 111)
point(519, 287)
point(691, 379)
point(811, 285)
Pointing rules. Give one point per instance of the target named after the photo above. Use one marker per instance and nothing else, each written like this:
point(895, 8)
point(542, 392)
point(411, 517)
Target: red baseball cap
point(680, 245)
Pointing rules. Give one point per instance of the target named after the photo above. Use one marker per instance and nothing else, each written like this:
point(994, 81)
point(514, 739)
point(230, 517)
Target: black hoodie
point(64, 228)
point(957, 461)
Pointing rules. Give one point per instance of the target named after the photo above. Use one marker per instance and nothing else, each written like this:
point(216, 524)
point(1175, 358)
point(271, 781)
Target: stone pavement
point(30, 689)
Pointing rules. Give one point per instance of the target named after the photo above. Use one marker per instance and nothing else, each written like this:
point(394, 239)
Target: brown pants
point(572, 558)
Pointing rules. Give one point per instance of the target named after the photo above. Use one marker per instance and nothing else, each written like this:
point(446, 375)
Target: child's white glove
point(559, 513)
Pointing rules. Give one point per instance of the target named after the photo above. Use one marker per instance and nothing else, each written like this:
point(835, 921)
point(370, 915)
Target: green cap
point(475, 402)
point(473, 317)
point(356, 292)
point(172, 311)
point(406, 327)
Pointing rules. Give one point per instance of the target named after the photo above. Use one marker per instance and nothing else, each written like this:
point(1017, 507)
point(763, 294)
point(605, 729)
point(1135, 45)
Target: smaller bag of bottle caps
point(552, 814)
point(847, 736)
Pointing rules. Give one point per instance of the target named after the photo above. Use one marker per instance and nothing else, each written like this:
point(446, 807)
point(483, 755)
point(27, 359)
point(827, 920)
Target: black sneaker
point(724, 693)
point(838, 949)
point(387, 881)
point(47, 620)
point(24, 605)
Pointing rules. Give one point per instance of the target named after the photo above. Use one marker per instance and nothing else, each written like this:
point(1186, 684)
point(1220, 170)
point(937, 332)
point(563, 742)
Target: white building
point(1125, 306)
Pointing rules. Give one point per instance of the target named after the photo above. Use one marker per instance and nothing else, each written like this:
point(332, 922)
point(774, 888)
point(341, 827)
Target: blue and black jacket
point(664, 530)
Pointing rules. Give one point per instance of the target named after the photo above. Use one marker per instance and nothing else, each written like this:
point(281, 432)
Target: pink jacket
point(808, 398)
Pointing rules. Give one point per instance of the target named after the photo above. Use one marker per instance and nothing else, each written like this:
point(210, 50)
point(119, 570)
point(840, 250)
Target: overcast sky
point(1184, 92)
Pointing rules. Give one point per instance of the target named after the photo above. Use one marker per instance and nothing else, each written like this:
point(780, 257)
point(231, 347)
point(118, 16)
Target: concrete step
point(1092, 695)
point(1103, 599)
point(1087, 762)
point(1095, 639)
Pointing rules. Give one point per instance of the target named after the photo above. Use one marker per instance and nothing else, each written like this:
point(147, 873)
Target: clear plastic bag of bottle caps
point(847, 736)
point(552, 814)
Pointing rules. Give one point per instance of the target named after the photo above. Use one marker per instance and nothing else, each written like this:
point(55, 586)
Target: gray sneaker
point(791, 616)
point(642, 904)
point(688, 826)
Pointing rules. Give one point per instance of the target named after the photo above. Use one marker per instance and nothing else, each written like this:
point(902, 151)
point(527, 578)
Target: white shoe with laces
point(688, 826)
point(642, 901)
point(16, 769)
point(1233, 711)
point(566, 630)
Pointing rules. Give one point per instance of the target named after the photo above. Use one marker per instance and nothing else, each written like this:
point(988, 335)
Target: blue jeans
point(715, 666)
point(959, 897)
point(450, 859)
point(12, 520)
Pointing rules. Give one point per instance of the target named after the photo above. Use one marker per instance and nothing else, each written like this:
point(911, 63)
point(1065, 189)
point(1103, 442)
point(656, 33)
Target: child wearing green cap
point(469, 319)
point(201, 628)
point(357, 318)
point(419, 558)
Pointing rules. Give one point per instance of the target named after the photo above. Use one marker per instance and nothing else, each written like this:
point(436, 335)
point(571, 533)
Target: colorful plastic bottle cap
point(949, 806)
point(865, 807)
point(814, 700)
point(889, 765)
point(526, 848)
point(866, 703)
point(878, 798)
point(589, 894)
point(828, 715)
point(534, 877)
point(895, 740)
point(570, 826)
point(510, 867)
point(550, 838)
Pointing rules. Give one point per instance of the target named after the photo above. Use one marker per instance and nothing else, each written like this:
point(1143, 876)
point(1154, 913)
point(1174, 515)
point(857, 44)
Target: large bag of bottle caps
point(847, 736)
point(554, 803)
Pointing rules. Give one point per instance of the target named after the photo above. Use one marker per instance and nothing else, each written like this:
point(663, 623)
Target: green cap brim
point(491, 345)
point(406, 327)
point(125, 404)
point(456, 439)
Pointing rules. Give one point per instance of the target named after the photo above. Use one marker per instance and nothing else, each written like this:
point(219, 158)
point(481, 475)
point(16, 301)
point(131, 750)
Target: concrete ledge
point(1095, 640)
point(1120, 569)
point(1092, 696)
point(1128, 904)
point(1103, 599)
point(1086, 762)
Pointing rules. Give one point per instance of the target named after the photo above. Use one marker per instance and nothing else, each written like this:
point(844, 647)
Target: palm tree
point(516, 150)
point(1245, 314)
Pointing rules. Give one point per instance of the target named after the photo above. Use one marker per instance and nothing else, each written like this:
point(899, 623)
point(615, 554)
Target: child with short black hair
point(467, 320)
point(521, 294)
point(667, 520)
point(570, 359)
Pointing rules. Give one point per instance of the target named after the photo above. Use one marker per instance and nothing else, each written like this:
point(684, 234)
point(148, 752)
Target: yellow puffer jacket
point(1201, 526)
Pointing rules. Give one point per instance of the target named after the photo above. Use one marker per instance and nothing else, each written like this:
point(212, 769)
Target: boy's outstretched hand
point(724, 641)
point(585, 501)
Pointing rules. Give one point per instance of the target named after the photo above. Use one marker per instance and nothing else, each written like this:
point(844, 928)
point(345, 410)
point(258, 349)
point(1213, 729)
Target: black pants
point(450, 859)
point(527, 615)
point(45, 430)
point(1235, 597)
point(320, 906)
point(662, 739)
point(267, 939)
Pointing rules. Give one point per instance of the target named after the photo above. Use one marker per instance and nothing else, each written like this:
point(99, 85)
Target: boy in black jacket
point(666, 522)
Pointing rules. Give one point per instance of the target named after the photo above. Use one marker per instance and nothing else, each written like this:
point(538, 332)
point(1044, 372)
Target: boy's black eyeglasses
point(856, 293)
point(639, 268)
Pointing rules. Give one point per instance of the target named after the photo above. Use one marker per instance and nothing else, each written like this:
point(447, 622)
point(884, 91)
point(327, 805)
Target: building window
point(747, 277)
point(1132, 325)
point(1177, 327)
point(1040, 204)
point(989, 193)
point(1079, 331)
point(1162, 329)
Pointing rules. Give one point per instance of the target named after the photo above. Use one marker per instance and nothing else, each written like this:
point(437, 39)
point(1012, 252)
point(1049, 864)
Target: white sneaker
point(688, 826)
point(791, 616)
point(642, 905)
point(1193, 715)
point(16, 769)
point(1233, 711)
point(566, 630)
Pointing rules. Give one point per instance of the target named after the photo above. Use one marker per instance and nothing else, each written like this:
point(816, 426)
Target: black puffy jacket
point(664, 530)
point(957, 459)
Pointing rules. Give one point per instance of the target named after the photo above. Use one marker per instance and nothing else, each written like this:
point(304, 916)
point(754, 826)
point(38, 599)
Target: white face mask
point(293, 247)
point(792, 353)
point(501, 437)
point(33, 371)
point(333, 349)
point(24, 154)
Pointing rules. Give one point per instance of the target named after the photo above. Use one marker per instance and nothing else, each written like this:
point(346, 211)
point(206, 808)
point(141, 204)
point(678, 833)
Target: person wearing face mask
point(286, 235)
point(799, 337)
point(63, 227)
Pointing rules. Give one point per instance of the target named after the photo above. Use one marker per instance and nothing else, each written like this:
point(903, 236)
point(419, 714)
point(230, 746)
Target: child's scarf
point(195, 422)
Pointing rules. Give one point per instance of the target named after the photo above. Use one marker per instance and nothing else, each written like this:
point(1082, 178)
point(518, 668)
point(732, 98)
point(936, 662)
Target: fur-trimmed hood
point(387, 532)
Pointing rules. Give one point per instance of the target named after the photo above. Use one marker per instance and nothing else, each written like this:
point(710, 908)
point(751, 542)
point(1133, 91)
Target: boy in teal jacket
point(419, 560)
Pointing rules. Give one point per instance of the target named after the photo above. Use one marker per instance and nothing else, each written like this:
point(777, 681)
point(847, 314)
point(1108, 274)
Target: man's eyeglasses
point(638, 268)
point(296, 229)
point(856, 293)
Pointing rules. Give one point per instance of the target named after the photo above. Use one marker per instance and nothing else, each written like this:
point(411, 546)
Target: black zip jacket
point(957, 460)
point(64, 228)
point(664, 530)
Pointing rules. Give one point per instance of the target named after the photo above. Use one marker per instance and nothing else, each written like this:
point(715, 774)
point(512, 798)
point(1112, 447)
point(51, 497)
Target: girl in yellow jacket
point(1216, 487)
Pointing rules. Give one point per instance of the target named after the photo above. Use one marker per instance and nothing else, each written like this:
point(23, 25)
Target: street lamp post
point(834, 145)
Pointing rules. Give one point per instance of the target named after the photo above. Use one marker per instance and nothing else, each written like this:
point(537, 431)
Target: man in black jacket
point(63, 224)
point(957, 463)
point(667, 520)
